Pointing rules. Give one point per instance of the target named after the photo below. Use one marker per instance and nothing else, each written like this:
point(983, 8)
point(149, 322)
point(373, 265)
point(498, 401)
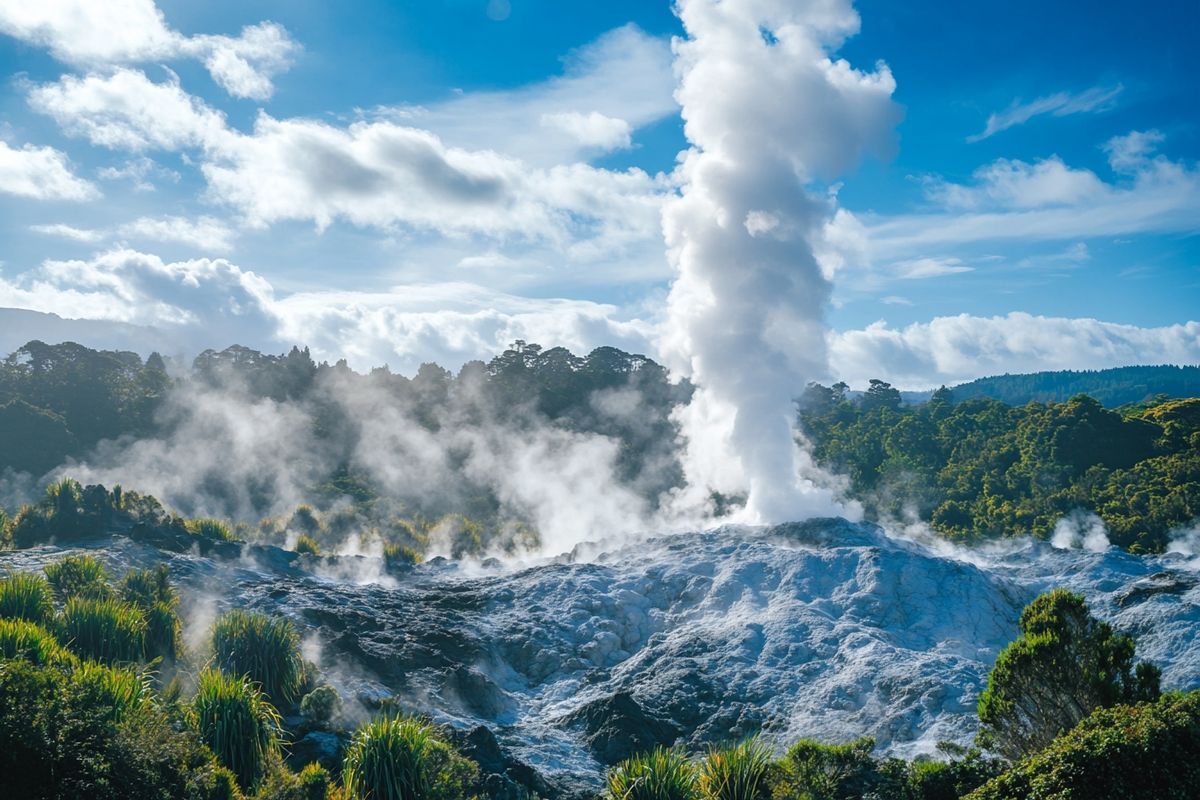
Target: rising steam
point(768, 114)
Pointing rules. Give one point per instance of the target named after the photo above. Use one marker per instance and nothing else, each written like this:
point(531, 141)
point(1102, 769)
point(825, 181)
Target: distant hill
point(1112, 387)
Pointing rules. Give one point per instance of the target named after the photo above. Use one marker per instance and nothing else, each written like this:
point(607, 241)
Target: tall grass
point(661, 774)
point(388, 760)
point(79, 576)
point(103, 630)
point(30, 642)
point(238, 724)
point(146, 587)
point(210, 529)
point(264, 648)
point(122, 691)
point(737, 772)
point(27, 596)
point(307, 544)
point(399, 556)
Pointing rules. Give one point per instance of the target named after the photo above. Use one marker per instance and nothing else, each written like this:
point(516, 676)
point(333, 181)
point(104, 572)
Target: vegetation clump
point(235, 720)
point(107, 631)
point(79, 576)
point(401, 758)
point(266, 649)
point(26, 596)
point(662, 774)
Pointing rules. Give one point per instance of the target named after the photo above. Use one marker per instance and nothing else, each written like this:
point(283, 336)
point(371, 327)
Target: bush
point(399, 556)
point(661, 774)
point(1063, 666)
point(121, 691)
point(400, 758)
point(1142, 752)
point(737, 772)
point(103, 630)
point(321, 705)
point(238, 724)
point(814, 771)
point(950, 780)
point(146, 588)
point(265, 649)
point(307, 544)
point(30, 642)
point(313, 783)
point(213, 529)
point(79, 576)
point(27, 596)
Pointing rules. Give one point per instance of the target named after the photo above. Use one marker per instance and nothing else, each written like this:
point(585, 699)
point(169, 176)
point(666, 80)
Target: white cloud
point(205, 233)
point(64, 231)
point(623, 76)
point(1130, 154)
point(126, 110)
point(1060, 104)
point(592, 129)
point(120, 32)
point(139, 171)
point(919, 268)
point(955, 349)
point(41, 173)
point(1011, 184)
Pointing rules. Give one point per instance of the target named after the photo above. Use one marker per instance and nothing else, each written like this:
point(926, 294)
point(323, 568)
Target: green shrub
point(235, 720)
point(1063, 666)
point(213, 782)
point(950, 780)
point(661, 774)
point(78, 576)
point(399, 556)
point(104, 630)
point(27, 596)
point(146, 588)
point(1142, 752)
point(737, 772)
point(208, 528)
point(264, 648)
point(321, 705)
point(163, 631)
point(312, 783)
point(316, 783)
point(121, 691)
point(307, 544)
point(811, 770)
point(400, 758)
point(33, 643)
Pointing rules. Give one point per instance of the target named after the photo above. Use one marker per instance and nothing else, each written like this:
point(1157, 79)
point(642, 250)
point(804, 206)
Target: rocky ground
point(550, 671)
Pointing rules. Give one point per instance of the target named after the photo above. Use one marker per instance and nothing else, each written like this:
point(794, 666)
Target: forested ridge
point(972, 467)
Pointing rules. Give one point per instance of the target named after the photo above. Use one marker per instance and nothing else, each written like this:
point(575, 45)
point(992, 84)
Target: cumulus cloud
point(948, 350)
point(592, 129)
point(1012, 184)
point(1059, 104)
point(121, 32)
point(41, 173)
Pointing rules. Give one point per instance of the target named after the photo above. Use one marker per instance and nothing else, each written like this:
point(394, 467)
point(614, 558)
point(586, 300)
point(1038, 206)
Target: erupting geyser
point(768, 114)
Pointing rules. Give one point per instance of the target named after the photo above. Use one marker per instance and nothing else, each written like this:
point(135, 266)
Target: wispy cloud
point(1059, 104)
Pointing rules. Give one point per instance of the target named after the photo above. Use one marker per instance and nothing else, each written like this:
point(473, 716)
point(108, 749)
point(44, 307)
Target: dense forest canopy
point(1111, 387)
point(972, 467)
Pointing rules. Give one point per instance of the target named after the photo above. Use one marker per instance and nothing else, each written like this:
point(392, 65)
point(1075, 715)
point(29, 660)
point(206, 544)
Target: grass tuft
point(661, 774)
point(388, 760)
point(79, 576)
point(235, 720)
point(103, 630)
point(210, 529)
point(30, 642)
point(27, 596)
point(307, 544)
point(121, 691)
point(737, 772)
point(264, 648)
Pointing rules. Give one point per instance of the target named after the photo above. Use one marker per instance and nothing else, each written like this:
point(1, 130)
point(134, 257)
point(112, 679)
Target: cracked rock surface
point(552, 671)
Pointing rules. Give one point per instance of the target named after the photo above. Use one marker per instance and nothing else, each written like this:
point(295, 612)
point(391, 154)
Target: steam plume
point(768, 113)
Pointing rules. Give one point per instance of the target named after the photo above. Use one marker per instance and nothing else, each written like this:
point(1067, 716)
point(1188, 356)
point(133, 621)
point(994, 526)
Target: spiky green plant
point(121, 690)
point(235, 720)
point(146, 587)
point(388, 760)
point(397, 555)
point(267, 649)
point(661, 774)
point(307, 544)
point(78, 576)
point(736, 772)
point(103, 630)
point(315, 782)
point(162, 632)
point(27, 596)
point(31, 642)
point(210, 529)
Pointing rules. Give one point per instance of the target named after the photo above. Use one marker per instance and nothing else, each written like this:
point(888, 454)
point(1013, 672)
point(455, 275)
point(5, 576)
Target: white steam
point(768, 113)
point(1081, 530)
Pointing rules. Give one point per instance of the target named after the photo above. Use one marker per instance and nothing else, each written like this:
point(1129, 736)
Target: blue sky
point(409, 181)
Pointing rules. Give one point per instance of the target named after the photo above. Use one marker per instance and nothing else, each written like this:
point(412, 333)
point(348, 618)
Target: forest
point(972, 468)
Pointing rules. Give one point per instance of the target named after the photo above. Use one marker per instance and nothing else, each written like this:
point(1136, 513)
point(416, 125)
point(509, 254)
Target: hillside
point(1112, 387)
